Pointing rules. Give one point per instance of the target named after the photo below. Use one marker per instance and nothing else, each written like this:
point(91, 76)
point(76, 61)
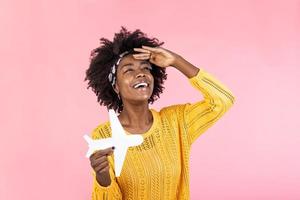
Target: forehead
point(129, 60)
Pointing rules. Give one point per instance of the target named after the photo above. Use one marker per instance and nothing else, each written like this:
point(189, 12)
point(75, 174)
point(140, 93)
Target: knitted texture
point(159, 167)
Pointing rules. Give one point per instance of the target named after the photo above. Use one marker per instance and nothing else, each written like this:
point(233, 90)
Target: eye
point(128, 70)
point(149, 68)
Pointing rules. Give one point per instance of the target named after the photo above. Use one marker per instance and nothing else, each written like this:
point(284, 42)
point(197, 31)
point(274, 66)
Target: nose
point(140, 74)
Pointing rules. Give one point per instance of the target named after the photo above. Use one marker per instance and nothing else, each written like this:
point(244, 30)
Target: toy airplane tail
point(95, 145)
point(90, 142)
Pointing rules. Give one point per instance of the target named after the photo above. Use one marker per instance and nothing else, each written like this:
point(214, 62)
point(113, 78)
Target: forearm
point(185, 67)
point(201, 115)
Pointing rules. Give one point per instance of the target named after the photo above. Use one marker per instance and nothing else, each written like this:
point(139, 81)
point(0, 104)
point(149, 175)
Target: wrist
point(178, 61)
point(185, 67)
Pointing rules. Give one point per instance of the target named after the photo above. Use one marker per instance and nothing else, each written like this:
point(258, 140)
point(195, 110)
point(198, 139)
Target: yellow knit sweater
point(158, 169)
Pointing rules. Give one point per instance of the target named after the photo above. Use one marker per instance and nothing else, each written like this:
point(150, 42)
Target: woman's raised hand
point(156, 55)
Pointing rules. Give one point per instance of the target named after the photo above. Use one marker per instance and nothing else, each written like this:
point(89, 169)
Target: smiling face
point(134, 80)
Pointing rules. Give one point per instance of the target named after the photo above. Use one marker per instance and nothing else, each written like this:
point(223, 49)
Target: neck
point(136, 116)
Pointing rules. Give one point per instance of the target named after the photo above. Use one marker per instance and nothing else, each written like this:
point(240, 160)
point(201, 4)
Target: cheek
point(152, 80)
point(123, 84)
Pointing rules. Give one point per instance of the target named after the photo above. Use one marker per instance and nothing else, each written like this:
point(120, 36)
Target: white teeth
point(140, 84)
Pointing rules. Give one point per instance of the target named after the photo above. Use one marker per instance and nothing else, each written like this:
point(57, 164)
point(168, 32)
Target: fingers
point(99, 165)
point(96, 160)
point(147, 49)
point(142, 50)
point(100, 156)
point(153, 49)
point(99, 161)
point(102, 167)
point(104, 152)
point(104, 170)
point(142, 56)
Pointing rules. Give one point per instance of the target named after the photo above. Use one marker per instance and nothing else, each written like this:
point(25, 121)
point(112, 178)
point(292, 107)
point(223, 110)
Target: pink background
point(251, 46)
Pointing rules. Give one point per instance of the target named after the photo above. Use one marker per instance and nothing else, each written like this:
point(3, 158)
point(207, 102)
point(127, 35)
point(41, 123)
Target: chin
point(141, 98)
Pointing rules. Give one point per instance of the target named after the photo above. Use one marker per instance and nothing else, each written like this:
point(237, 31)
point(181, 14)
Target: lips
point(140, 84)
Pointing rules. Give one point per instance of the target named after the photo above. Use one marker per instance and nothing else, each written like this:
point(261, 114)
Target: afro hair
point(107, 54)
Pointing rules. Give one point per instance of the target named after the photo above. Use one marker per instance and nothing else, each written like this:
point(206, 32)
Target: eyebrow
point(130, 64)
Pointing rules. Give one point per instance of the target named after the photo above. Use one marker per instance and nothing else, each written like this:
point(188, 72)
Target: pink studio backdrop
point(252, 46)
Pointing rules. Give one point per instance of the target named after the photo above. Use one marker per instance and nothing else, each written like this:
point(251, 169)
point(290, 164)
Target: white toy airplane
point(120, 140)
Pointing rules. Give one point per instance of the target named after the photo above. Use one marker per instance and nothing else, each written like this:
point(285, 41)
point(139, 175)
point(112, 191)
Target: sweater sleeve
point(199, 116)
point(111, 192)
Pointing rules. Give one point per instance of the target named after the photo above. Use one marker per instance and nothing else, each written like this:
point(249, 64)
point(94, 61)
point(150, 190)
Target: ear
point(116, 88)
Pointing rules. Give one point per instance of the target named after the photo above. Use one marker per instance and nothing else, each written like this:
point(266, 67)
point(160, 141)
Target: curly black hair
point(107, 54)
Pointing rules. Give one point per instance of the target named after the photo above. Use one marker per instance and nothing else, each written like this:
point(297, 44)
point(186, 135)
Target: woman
point(127, 74)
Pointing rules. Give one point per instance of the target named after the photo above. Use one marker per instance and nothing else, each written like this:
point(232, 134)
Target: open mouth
point(140, 85)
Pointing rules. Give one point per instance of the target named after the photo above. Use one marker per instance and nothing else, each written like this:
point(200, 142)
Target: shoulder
point(176, 109)
point(103, 130)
